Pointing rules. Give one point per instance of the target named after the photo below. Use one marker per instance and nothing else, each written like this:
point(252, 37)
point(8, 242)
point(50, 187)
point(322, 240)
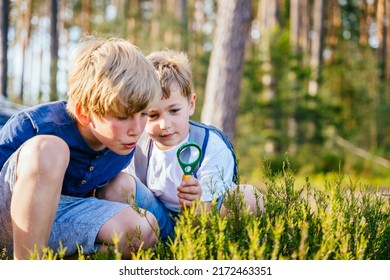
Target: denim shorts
point(77, 222)
point(145, 199)
point(166, 219)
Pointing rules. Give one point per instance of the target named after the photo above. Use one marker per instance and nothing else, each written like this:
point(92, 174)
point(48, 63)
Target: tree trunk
point(132, 13)
point(184, 24)
point(226, 63)
point(195, 29)
point(380, 10)
point(386, 37)
point(24, 31)
point(155, 25)
point(316, 45)
point(363, 25)
point(383, 33)
point(4, 47)
point(300, 25)
point(171, 37)
point(267, 16)
point(334, 22)
point(86, 16)
point(304, 27)
point(299, 38)
point(53, 50)
point(294, 23)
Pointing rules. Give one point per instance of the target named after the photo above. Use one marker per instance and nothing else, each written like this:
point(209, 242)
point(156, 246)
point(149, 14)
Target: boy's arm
point(13, 134)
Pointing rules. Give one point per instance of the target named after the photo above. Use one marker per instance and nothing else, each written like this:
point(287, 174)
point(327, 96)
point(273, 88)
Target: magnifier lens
point(189, 155)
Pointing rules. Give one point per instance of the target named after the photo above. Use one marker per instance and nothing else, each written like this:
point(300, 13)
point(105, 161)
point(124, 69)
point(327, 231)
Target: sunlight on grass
point(331, 217)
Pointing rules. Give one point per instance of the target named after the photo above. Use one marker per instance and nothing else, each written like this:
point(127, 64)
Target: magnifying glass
point(188, 155)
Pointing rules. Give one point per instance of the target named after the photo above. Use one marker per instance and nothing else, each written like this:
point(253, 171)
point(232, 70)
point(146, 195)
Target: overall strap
point(142, 157)
point(199, 133)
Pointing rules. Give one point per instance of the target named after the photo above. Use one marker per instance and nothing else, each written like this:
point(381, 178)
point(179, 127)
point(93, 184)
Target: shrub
point(343, 220)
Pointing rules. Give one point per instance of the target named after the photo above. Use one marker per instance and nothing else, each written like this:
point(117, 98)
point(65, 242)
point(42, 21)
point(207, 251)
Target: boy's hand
point(189, 191)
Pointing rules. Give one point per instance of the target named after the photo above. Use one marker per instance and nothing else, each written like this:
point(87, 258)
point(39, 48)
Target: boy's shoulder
point(37, 115)
point(200, 134)
point(50, 112)
point(47, 118)
point(48, 107)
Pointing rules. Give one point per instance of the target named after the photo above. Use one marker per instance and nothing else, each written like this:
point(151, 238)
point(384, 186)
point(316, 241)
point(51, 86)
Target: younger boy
point(54, 155)
point(168, 127)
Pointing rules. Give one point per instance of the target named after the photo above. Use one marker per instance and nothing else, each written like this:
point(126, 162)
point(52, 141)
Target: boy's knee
point(148, 228)
point(254, 199)
point(122, 189)
point(140, 233)
point(138, 227)
point(47, 152)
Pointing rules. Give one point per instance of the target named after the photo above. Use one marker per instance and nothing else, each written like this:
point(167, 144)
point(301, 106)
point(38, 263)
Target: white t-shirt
point(215, 173)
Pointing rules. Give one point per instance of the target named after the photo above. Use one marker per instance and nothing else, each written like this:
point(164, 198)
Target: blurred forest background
point(306, 80)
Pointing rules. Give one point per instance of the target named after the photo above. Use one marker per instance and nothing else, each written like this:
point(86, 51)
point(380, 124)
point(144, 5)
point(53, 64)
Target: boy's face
point(168, 120)
point(118, 134)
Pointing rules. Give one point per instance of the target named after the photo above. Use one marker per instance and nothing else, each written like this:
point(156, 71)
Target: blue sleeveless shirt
point(88, 169)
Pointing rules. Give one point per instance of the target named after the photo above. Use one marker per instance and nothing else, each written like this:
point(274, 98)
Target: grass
point(342, 220)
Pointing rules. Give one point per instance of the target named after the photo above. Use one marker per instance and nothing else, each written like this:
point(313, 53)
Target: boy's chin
point(123, 152)
point(167, 144)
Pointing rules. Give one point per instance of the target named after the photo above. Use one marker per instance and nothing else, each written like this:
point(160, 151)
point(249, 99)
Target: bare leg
point(136, 227)
point(252, 197)
point(40, 172)
point(136, 230)
point(121, 189)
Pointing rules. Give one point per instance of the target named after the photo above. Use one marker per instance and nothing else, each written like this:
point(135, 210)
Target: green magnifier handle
point(188, 155)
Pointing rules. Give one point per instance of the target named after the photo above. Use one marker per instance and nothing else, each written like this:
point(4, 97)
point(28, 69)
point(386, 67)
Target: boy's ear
point(192, 103)
point(82, 116)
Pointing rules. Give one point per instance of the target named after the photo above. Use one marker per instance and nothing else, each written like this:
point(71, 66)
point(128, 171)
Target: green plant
point(343, 220)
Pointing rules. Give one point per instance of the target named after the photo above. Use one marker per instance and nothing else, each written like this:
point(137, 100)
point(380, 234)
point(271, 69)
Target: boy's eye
point(121, 117)
point(175, 110)
point(152, 116)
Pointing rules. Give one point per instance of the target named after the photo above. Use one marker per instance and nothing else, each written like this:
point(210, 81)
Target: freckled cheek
point(118, 130)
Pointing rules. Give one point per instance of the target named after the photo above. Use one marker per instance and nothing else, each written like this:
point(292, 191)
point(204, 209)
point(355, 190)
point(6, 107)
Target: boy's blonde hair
point(173, 69)
point(111, 76)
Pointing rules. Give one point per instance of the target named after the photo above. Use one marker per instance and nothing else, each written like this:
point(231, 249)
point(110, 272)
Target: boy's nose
point(137, 126)
point(164, 124)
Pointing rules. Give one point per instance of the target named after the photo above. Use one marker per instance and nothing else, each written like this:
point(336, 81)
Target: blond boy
point(54, 155)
